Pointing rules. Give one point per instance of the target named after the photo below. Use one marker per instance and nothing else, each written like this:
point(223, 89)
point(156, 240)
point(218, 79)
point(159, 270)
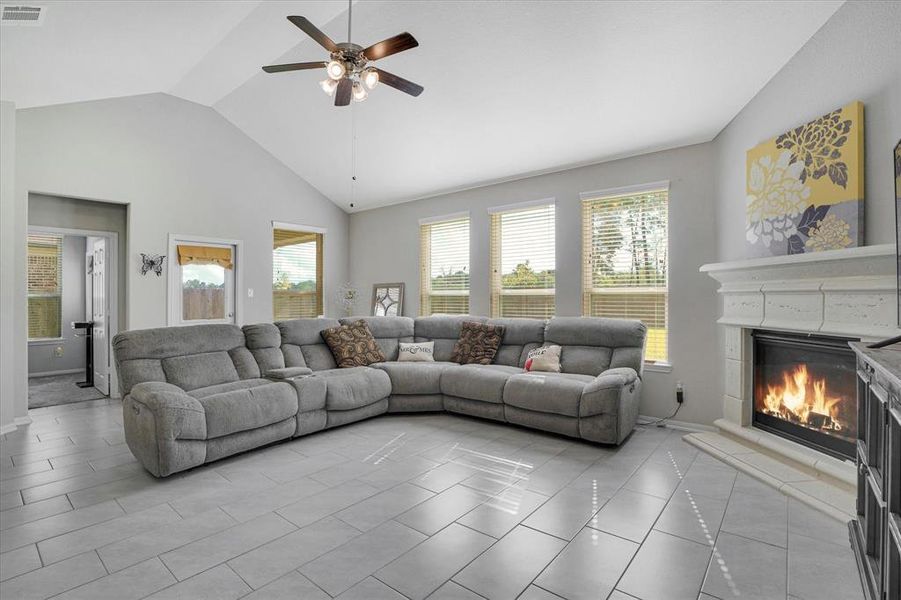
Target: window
point(206, 278)
point(296, 273)
point(444, 266)
point(45, 286)
point(624, 251)
point(523, 267)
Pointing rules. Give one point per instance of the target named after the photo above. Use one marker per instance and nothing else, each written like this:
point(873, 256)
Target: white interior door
point(99, 314)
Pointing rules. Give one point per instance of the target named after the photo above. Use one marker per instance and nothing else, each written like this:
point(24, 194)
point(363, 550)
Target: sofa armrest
point(288, 373)
point(178, 416)
point(602, 396)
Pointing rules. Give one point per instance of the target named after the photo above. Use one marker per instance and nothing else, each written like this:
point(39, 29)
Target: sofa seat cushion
point(478, 382)
point(353, 387)
point(243, 384)
point(249, 408)
point(556, 393)
point(415, 377)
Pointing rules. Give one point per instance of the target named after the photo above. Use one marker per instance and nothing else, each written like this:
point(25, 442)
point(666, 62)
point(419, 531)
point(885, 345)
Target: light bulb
point(335, 70)
point(360, 92)
point(328, 86)
point(370, 78)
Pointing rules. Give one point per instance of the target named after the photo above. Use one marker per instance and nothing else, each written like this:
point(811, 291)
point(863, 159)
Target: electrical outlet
point(250, 292)
point(58, 351)
point(680, 392)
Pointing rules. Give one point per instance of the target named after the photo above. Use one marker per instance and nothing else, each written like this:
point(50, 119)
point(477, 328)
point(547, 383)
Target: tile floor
point(403, 506)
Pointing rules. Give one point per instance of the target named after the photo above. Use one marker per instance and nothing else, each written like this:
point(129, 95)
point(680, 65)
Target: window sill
point(46, 341)
point(658, 367)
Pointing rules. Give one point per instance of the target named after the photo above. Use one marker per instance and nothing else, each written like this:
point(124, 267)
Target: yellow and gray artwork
point(805, 187)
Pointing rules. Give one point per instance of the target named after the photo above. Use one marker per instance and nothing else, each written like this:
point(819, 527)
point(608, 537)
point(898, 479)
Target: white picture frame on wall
point(387, 300)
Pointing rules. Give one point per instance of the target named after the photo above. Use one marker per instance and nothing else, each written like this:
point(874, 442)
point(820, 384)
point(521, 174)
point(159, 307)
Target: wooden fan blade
point(295, 67)
point(342, 94)
point(314, 32)
point(393, 45)
point(399, 83)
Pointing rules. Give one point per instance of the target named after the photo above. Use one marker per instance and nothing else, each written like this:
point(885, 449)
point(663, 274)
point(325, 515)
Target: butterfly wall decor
point(152, 262)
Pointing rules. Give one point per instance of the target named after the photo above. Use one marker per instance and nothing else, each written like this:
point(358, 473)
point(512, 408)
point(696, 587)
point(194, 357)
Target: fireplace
point(804, 389)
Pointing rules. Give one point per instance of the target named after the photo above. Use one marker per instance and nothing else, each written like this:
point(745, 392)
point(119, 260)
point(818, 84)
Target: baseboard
point(17, 422)
point(678, 425)
point(52, 373)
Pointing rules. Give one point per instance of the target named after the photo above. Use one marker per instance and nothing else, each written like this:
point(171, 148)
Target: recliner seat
point(200, 393)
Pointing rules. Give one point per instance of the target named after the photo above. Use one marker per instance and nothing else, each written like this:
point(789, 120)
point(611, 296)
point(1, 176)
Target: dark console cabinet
point(876, 532)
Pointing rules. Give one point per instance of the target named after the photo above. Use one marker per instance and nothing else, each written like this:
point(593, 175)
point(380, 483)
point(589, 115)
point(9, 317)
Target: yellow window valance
point(287, 237)
point(205, 255)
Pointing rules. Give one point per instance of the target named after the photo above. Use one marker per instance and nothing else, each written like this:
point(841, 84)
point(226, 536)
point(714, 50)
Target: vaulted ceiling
point(512, 88)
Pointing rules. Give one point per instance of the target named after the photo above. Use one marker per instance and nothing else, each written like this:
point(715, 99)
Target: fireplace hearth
point(804, 389)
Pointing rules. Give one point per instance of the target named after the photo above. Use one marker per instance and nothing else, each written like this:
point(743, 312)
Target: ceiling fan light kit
point(349, 75)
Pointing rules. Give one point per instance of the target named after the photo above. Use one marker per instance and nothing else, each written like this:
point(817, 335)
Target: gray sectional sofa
point(196, 394)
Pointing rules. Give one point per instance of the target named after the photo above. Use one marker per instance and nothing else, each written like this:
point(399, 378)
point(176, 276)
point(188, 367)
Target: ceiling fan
point(348, 69)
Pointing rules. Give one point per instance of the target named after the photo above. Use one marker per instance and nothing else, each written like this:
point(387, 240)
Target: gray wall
point(72, 213)
point(856, 55)
point(181, 168)
point(385, 247)
point(13, 397)
point(42, 356)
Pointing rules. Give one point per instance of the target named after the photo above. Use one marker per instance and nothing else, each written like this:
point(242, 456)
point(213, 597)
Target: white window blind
point(45, 285)
point(444, 267)
point(296, 274)
point(523, 262)
point(625, 254)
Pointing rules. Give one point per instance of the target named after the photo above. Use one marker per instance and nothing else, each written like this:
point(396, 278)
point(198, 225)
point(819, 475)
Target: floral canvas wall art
point(805, 187)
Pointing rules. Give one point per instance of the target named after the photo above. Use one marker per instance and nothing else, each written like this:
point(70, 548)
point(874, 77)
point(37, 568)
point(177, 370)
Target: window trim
point(660, 366)
point(508, 208)
point(173, 316)
point(442, 218)
point(492, 210)
point(628, 190)
point(436, 220)
point(320, 259)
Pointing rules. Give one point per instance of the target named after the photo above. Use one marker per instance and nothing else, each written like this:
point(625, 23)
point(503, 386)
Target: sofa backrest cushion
point(591, 345)
point(444, 330)
point(387, 331)
point(520, 337)
point(189, 357)
point(265, 344)
point(302, 343)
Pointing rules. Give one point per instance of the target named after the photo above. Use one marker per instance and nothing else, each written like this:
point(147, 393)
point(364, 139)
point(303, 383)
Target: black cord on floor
point(659, 422)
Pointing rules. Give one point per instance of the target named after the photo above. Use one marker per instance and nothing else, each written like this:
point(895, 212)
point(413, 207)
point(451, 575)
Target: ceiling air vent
point(22, 15)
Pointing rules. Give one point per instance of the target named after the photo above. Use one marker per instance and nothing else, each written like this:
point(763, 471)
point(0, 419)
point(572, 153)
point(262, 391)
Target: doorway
point(72, 314)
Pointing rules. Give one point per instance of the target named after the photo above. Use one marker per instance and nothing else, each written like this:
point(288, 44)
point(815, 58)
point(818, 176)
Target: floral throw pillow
point(478, 343)
point(353, 345)
point(546, 358)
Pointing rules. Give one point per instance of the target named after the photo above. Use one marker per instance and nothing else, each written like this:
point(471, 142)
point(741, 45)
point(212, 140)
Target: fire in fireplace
point(805, 390)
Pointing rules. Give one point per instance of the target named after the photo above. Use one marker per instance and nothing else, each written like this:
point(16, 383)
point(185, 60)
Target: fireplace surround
point(849, 293)
point(804, 389)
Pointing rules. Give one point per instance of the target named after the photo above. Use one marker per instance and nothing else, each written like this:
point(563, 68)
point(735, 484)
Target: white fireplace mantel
point(850, 292)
